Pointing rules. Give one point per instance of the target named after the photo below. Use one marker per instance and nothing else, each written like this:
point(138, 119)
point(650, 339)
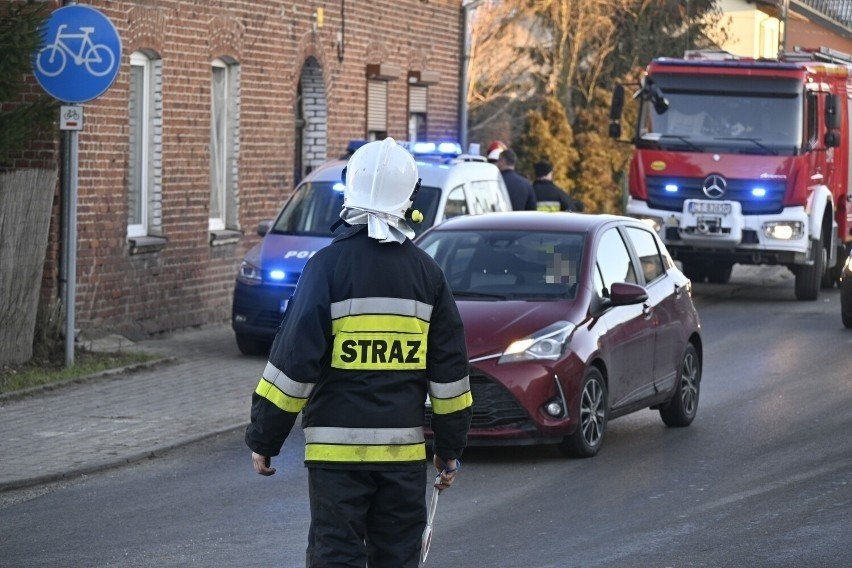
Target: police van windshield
point(314, 208)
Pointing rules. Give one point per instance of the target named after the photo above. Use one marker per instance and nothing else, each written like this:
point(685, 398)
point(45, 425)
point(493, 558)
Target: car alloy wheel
point(682, 408)
point(592, 414)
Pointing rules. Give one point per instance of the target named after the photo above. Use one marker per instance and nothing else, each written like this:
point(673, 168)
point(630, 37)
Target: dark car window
point(649, 255)
point(312, 210)
point(507, 263)
point(315, 207)
point(613, 263)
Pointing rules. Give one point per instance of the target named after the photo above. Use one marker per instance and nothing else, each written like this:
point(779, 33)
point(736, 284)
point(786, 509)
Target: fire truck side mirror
point(832, 112)
point(615, 110)
point(832, 139)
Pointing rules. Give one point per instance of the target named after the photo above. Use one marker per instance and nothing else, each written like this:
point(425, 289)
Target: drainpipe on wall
point(467, 7)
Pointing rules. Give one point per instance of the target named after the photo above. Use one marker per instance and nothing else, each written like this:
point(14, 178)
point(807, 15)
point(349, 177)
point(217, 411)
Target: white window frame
point(223, 147)
point(143, 138)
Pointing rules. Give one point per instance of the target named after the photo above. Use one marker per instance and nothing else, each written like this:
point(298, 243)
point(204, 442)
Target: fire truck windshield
point(724, 114)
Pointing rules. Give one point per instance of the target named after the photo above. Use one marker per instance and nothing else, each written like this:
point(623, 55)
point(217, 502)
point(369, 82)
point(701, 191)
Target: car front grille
point(493, 405)
point(737, 190)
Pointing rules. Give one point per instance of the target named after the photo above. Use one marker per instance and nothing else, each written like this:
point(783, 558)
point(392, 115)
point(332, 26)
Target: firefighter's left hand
point(447, 472)
point(261, 464)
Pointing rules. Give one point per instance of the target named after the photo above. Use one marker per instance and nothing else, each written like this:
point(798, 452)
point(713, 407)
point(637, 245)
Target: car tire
point(683, 406)
point(250, 346)
point(592, 412)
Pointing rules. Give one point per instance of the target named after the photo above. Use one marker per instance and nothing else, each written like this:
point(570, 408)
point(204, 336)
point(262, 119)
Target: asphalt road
point(763, 477)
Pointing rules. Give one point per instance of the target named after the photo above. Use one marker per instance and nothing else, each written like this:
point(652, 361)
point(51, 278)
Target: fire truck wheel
point(695, 271)
point(809, 277)
point(719, 272)
point(832, 275)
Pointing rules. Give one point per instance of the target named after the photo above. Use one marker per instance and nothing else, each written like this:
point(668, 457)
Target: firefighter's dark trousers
point(366, 518)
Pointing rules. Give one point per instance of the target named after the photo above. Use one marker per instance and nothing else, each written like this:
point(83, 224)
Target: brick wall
point(188, 282)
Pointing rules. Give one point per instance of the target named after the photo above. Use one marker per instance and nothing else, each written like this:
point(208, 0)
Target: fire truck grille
point(737, 190)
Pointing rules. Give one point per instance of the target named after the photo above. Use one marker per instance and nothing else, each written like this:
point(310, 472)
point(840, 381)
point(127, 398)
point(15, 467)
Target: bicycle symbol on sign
point(72, 114)
point(97, 58)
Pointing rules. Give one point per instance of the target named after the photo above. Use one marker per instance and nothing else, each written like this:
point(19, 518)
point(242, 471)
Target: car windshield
point(315, 206)
point(760, 116)
point(508, 264)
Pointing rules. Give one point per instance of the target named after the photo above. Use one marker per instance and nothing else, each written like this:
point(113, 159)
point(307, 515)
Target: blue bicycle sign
point(98, 58)
point(80, 56)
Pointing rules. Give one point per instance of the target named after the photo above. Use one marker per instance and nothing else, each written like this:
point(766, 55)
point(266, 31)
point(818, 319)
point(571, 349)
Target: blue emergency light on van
point(268, 274)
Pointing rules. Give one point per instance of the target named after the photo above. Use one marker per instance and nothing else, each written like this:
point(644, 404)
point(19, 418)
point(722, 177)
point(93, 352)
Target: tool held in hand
point(430, 517)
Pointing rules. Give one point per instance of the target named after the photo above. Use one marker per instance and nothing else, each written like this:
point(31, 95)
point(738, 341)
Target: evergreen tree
point(23, 114)
point(548, 136)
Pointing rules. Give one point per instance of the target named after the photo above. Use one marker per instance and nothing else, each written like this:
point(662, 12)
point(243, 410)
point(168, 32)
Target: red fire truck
point(746, 161)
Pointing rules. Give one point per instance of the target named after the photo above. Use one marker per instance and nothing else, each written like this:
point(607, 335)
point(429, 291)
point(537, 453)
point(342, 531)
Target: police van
point(452, 184)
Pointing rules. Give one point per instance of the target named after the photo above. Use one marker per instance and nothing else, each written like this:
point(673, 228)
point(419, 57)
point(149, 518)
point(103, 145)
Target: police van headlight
point(784, 230)
point(548, 344)
point(249, 274)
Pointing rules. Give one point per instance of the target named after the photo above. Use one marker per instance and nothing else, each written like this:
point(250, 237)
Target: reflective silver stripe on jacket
point(449, 390)
point(363, 436)
point(287, 385)
point(395, 306)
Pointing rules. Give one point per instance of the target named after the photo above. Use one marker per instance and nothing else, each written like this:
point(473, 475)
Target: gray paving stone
point(203, 388)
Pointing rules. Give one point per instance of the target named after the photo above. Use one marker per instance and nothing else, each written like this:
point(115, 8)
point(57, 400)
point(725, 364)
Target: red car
point(571, 320)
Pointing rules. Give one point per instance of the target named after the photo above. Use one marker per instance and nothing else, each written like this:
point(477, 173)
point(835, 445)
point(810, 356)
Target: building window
point(224, 145)
point(377, 110)
point(145, 156)
point(417, 112)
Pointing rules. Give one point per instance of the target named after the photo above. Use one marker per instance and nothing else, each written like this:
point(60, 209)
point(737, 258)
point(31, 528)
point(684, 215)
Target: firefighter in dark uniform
point(370, 331)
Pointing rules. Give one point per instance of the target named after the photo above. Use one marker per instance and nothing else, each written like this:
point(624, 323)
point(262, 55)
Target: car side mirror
point(263, 227)
point(626, 294)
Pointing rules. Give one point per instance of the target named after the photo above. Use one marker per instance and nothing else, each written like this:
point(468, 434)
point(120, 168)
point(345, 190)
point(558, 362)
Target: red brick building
point(218, 109)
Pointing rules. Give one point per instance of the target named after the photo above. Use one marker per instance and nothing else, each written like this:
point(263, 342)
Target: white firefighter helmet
point(380, 178)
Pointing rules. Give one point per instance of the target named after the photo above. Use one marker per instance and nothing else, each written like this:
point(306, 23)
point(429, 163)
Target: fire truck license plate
point(709, 208)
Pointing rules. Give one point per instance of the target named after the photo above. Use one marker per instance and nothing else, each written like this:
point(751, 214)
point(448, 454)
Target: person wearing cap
point(520, 189)
point(494, 149)
point(371, 329)
point(549, 196)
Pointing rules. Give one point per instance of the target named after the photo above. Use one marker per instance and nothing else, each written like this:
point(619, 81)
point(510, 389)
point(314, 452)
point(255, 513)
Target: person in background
point(520, 189)
point(371, 329)
point(549, 196)
point(494, 150)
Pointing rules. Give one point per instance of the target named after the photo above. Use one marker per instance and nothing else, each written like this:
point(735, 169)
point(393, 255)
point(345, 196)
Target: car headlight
point(249, 274)
point(548, 343)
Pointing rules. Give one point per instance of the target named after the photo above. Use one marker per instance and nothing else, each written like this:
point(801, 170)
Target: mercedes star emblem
point(714, 186)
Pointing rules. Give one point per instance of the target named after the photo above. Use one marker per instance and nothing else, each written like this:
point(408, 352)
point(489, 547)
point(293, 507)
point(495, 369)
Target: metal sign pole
point(71, 248)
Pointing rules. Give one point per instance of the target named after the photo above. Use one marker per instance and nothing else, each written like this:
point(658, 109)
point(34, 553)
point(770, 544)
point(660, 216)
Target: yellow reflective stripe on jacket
point(362, 453)
point(280, 399)
point(334, 444)
point(448, 405)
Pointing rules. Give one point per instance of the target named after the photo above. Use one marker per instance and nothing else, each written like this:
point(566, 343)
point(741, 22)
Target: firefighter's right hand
point(261, 464)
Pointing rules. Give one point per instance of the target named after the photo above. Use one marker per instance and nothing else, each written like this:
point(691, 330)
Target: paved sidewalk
point(201, 388)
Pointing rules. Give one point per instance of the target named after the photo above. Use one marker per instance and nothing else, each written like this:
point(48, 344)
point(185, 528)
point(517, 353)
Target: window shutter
point(377, 106)
point(416, 99)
